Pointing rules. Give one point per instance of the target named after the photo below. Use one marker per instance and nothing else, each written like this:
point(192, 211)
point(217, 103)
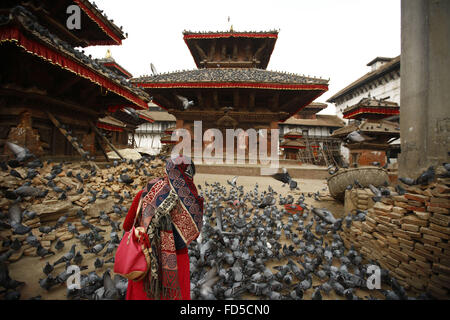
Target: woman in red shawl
point(170, 231)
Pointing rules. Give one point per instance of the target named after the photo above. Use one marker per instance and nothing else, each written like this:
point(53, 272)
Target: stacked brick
point(360, 199)
point(409, 236)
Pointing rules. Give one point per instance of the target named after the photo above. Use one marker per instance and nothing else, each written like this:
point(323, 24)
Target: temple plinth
point(231, 88)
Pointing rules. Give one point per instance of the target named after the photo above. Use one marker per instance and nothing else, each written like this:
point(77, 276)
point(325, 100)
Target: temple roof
point(371, 128)
point(227, 34)
point(59, 52)
point(228, 75)
point(292, 144)
point(161, 116)
point(322, 120)
point(111, 64)
point(97, 28)
point(292, 134)
point(384, 59)
point(368, 106)
point(368, 77)
point(231, 49)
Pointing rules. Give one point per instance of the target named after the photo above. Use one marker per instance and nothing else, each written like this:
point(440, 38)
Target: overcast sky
point(332, 39)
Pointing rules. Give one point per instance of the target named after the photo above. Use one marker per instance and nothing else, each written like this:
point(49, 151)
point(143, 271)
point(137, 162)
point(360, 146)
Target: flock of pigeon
point(251, 245)
point(254, 243)
point(99, 243)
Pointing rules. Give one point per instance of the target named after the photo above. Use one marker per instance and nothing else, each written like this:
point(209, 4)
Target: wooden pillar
point(251, 100)
point(236, 99)
point(212, 50)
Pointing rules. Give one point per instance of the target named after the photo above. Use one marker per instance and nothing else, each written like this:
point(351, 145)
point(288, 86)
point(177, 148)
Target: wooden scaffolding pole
point(105, 139)
point(69, 138)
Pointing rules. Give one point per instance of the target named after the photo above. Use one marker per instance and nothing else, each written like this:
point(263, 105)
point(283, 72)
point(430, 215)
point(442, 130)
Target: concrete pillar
point(425, 85)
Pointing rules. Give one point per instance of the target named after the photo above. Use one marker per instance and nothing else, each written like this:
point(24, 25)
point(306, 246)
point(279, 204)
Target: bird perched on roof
point(355, 136)
point(131, 112)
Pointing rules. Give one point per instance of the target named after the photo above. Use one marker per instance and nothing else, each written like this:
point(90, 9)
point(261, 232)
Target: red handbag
point(132, 259)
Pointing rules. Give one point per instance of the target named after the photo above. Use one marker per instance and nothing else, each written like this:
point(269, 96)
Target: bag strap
point(137, 211)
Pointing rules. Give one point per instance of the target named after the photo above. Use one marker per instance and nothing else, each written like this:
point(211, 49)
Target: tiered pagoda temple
point(374, 120)
point(231, 87)
point(291, 145)
point(52, 94)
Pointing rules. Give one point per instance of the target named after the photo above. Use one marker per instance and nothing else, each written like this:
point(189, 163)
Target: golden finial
point(108, 54)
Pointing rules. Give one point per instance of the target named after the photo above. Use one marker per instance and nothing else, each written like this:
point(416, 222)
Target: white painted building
point(148, 135)
point(381, 82)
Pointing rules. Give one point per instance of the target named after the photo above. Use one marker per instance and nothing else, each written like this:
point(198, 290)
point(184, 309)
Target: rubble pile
point(55, 190)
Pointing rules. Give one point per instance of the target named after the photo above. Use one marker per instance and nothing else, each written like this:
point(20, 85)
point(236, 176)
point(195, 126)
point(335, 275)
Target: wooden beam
point(223, 52)
point(251, 100)
point(20, 92)
point(64, 86)
point(260, 49)
point(97, 138)
point(75, 144)
point(248, 47)
point(200, 51)
point(105, 139)
point(212, 51)
point(275, 102)
point(215, 96)
point(200, 100)
point(60, 28)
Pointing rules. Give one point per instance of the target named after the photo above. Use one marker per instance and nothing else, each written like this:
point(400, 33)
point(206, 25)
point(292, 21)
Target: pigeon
point(48, 282)
point(32, 240)
point(426, 177)
point(27, 191)
point(59, 245)
point(185, 102)
point(98, 263)
point(285, 178)
point(48, 268)
point(97, 248)
point(42, 252)
point(16, 174)
point(22, 154)
point(316, 294)
point(111, 291)
point(332, 169)
point(407, 181)
point(233, 182)
point(132, 112)
point(66, 257)
point(16, 245)
point(376, 192)
point(124, 178)
point(354, 136)
point(72, 228)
